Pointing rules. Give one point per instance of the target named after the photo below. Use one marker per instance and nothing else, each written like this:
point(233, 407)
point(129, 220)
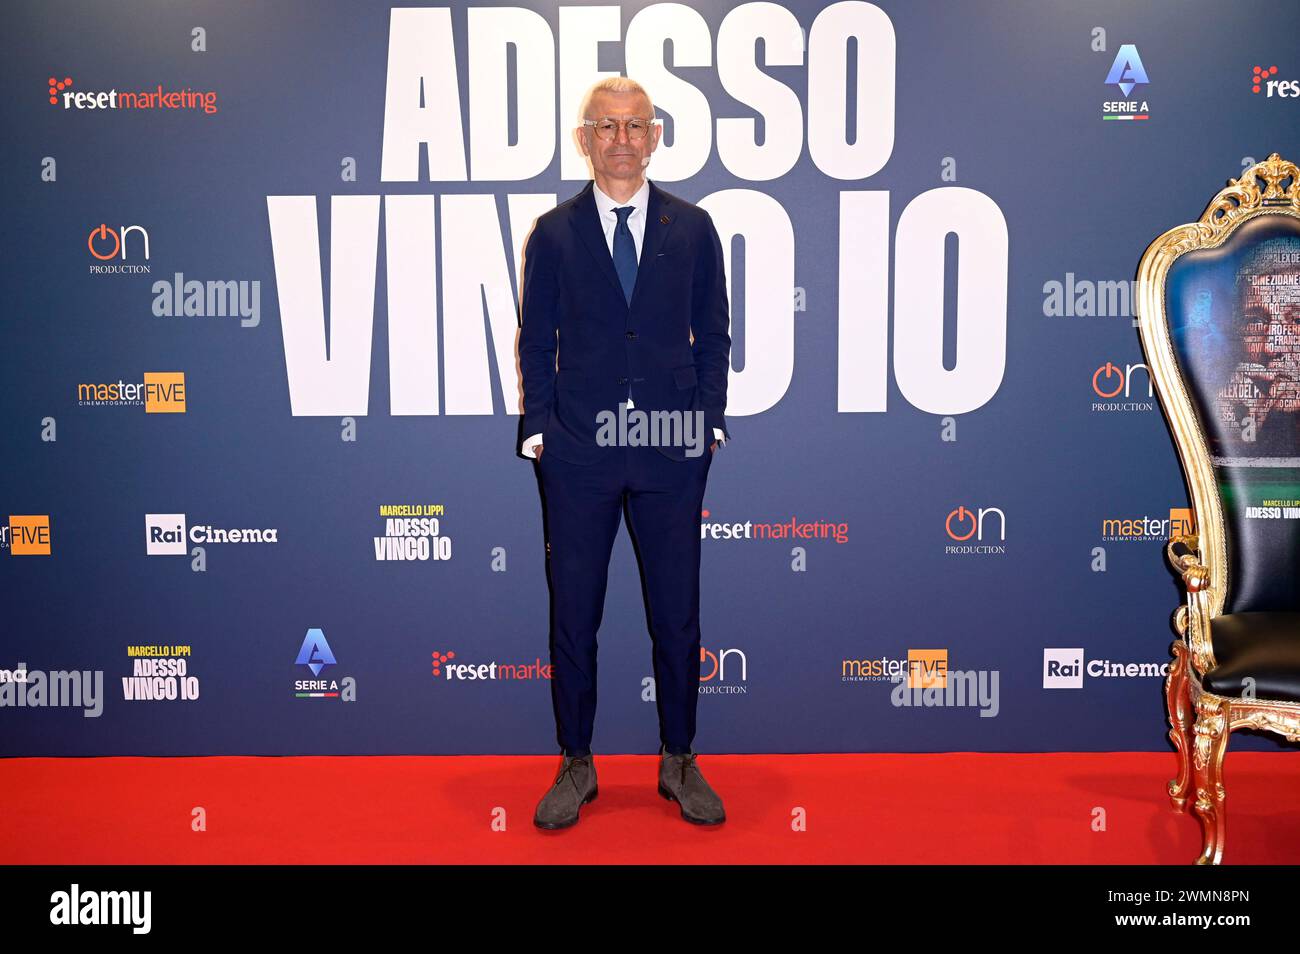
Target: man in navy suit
point(626, 284)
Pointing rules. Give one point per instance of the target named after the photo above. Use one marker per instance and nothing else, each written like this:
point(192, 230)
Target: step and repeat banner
point(262, 491)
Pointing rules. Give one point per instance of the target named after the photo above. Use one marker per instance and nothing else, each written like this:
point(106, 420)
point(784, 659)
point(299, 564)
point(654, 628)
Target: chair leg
point(1178, 701)
point(1207, 761)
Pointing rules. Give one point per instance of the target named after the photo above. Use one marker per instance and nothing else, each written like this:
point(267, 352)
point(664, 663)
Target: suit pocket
point(684, 377)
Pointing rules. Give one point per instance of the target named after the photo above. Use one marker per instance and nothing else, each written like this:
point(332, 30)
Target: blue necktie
point(625, 252)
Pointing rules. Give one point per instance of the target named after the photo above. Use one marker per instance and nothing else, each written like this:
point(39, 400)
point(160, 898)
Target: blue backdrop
point(1006, 106)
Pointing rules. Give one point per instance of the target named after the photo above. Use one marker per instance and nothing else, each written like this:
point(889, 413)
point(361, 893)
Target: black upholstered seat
point(1264, 647)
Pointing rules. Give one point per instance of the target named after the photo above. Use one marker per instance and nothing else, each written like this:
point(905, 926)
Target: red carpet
point(860, 808)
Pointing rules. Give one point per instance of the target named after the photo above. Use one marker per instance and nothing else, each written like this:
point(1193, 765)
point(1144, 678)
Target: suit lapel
point(586, 222)
point(658, 209)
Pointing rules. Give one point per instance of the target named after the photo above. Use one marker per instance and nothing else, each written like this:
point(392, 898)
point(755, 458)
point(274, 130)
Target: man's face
point(620, 157)
point(1273, 314)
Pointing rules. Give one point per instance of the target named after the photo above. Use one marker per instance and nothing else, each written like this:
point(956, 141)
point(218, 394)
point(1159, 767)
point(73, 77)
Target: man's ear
point(581, 140)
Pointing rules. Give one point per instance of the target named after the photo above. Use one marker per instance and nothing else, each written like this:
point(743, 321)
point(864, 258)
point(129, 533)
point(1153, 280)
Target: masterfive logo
point(29, 535)
point(161, 392)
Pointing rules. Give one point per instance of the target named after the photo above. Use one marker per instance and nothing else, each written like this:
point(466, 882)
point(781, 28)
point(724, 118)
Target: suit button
point(622, 380)
point(631, 334)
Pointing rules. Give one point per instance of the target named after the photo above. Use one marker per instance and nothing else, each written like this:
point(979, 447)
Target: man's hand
point(538, 449)
point(713, 447)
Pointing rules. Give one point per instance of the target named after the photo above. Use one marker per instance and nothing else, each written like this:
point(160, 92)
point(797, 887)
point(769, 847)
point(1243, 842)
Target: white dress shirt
point(605, 207)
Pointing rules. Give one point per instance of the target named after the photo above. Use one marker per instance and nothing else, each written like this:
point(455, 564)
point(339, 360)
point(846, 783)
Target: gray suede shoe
point(680, 781)
point(573, 788)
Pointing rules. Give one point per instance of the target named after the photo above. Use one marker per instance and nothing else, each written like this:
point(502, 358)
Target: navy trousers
point(584, 505)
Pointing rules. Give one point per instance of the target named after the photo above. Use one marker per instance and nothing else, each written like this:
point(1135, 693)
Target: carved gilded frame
point(1200, 722)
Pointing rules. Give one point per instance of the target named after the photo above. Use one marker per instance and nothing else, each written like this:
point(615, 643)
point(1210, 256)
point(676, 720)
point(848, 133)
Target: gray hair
point(612, 84)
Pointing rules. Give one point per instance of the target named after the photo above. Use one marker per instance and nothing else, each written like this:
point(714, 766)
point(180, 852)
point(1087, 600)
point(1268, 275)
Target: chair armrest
point(1193, 621)
point(1183, 554)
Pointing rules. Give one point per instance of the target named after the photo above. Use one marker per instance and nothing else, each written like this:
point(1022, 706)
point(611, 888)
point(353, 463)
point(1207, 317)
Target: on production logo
point(110, 244)
point(716, 678)
point(964, 524)
point(1111, 380)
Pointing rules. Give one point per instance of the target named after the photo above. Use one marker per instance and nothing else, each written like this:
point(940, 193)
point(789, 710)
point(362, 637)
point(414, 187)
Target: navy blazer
point(606, 345)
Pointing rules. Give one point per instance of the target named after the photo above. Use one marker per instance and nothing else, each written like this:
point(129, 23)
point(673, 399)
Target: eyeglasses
point(607, 128)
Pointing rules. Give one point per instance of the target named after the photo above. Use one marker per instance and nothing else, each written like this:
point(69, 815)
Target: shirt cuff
point(720, 437)
point(530, 446)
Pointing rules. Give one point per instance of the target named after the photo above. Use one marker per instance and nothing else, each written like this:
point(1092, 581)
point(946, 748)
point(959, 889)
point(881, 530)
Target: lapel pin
point(663, 220)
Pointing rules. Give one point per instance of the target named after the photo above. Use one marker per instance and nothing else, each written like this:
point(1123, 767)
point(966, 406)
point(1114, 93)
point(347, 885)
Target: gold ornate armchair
point(1219, 313)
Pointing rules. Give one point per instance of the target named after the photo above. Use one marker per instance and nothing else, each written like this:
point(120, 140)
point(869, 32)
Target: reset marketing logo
point(1261, 81)
point(444, 670)
point(62, 94)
